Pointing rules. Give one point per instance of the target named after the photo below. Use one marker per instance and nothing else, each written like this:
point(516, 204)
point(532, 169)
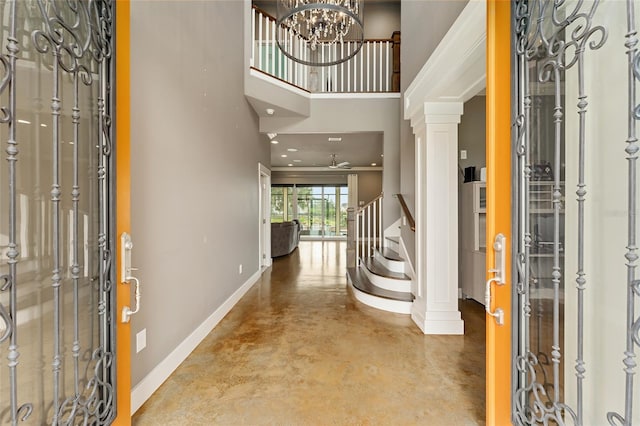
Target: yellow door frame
point(123, 205)
point(498, 391)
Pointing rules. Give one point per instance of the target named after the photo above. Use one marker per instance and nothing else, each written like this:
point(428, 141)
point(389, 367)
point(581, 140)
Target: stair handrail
point(369, 203)
point(407, 212)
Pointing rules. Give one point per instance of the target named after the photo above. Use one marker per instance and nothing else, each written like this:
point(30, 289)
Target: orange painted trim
point(123, 204)
point(498, 393)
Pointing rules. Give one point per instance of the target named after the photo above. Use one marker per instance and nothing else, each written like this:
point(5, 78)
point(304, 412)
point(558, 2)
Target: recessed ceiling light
point(334, 139)
point(381, 155)
point(275, 142)
point(24, 122)
point(292, 149)
point(290, 165)
point(43, 125)
point(297, 161)
point(270, 111)
point(283, 155)
point(373, 164)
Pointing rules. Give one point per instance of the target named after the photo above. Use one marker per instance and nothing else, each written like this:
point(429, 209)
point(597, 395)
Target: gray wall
point(194, 153)
point(424, 23)
point(472, 134)
point(369, 186)
point(381, 19)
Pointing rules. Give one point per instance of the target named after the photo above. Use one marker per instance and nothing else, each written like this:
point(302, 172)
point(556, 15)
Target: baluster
point(381, 241)
point(373, 223)
point(303, 70)
point(368, 65)
point(381, 69)
point(374, 66)
point(273, 48)
point(357, 242)
point(349, 68)
point(260, 67)
point(361, 54)
point(253, 34)
point(364, 234)
point(322, 74)
point(369, 230)
point(293, 66)
point(342, 68)
point(388, 79)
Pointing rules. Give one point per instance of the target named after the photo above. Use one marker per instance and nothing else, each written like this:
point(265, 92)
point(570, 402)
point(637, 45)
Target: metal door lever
point(498, 279)
point(126, 277)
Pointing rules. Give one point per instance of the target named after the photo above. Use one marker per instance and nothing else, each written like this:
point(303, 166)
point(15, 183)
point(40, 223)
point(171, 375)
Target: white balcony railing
point(370, 70)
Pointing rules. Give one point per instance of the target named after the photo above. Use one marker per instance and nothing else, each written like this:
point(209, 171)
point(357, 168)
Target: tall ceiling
point(314, 150)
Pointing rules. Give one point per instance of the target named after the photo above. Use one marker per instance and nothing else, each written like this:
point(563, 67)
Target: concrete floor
point(298, 349)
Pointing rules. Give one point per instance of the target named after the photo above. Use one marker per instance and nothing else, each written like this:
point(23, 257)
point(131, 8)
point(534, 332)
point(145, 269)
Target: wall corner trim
point(152, 381)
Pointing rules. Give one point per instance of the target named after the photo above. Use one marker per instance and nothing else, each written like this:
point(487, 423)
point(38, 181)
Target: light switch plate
point(141, 340)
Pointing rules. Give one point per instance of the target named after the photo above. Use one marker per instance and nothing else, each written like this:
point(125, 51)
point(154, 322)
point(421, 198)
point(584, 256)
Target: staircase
point(378, 277)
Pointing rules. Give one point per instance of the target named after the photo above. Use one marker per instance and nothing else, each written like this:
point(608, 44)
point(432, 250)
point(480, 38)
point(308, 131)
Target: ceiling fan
point(343, 165)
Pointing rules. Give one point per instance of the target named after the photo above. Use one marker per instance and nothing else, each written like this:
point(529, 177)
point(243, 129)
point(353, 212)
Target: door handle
point(498, 278)
point(126, 311)
point(125, 270)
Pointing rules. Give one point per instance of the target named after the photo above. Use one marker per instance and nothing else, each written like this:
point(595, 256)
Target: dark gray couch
point(284, 237)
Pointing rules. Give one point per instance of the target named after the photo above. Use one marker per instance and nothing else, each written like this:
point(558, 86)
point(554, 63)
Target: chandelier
point(320, 32)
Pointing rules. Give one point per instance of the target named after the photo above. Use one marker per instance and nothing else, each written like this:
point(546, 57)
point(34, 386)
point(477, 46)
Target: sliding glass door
point(321, 209)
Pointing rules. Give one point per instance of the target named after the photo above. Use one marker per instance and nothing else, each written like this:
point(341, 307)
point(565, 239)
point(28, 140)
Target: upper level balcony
point(374, 69)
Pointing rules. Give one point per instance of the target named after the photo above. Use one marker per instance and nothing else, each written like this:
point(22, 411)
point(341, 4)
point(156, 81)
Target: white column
point(435, 309)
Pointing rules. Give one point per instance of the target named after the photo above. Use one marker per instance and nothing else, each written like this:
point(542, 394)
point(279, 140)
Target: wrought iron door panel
point(576, 320)
point(56, 213)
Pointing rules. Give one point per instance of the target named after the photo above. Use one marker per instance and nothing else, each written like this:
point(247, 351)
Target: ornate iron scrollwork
point(74, 40)
point(554, 36)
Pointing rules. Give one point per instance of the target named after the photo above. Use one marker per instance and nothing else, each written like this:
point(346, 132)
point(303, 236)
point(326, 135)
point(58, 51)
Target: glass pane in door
point(56, 266)
point(577, 299)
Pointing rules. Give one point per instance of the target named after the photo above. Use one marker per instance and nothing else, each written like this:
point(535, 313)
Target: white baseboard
point(448, 323)
point(152, 381)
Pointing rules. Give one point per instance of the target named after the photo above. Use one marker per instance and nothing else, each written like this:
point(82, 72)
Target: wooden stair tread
point(379, 269)
point(393, 239)
point(361, 282)
point(387, 253)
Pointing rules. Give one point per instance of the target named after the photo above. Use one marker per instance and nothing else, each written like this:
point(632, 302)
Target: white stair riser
point(393, 245)
point(392, 265)
point(387, 283)
point(381, 303)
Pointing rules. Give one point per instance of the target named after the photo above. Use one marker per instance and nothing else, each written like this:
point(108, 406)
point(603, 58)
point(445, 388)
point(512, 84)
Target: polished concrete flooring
point(298, 349)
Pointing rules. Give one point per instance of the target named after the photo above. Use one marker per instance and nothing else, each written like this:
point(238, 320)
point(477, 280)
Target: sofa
point(284, 237)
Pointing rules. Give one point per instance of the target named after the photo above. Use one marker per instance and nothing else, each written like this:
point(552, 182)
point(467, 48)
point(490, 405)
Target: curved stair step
point(390, 259)
point(383, 277)
point(370, 294)
point(379, 269)
point(387, 253)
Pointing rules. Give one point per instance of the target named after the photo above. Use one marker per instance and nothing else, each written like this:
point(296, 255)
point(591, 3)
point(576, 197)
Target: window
point(321, 209)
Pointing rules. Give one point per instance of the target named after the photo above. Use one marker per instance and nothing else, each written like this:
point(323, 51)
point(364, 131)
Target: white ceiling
point(314, 150)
